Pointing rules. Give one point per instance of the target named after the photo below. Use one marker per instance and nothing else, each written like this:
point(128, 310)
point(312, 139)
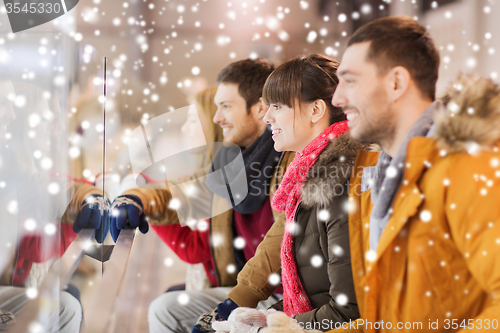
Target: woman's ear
point(318, 110)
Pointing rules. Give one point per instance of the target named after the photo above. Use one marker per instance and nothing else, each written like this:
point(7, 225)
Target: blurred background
point(175, 47)
point(159, 55)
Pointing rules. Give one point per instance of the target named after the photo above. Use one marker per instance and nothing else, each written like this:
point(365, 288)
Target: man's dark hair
point(401, 41)
point(250, 76)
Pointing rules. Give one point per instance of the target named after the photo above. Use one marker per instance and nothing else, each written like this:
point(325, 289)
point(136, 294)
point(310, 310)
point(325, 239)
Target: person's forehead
point(354, 56)
point(227, 92)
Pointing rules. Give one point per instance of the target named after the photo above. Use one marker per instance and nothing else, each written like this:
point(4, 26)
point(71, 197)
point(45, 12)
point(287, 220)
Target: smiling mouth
point(352, 116)
point(226, 130)
point(277, 131)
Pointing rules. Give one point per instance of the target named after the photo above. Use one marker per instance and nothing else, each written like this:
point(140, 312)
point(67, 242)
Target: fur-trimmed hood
point(330, 173)
point(470, 117)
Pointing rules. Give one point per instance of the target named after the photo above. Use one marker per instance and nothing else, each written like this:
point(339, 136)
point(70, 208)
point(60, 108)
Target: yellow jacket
point(437, 264)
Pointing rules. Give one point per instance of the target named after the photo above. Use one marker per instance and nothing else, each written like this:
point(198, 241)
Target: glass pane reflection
point(50, 95)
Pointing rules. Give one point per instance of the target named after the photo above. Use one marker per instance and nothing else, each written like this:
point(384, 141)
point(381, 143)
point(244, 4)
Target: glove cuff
point(128, 200)
point(133, 197)
point(225, 308)
point(96, 200)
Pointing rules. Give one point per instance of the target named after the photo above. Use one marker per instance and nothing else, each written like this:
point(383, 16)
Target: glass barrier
point(51, 125)
point(76, 132)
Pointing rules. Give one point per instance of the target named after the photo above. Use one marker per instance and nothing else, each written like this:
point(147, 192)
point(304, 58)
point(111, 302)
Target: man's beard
point(381, 132)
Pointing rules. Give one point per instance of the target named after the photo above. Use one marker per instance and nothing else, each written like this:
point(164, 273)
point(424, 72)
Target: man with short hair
point(424, 218)
point(235, 233)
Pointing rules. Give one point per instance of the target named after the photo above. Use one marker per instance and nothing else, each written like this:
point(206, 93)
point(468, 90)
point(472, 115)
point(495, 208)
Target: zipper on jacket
point(211, 245)
point(293, 246)
point(278, 181)
point(295, 221)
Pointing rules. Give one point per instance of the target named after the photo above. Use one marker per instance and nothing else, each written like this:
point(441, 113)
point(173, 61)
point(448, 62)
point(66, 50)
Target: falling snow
point(316, 260)
point(274, 279)
point(371, 255)
point(161, 67)
point(342, 299)
point(239, 243)
point(183, 299)
point(425, 216)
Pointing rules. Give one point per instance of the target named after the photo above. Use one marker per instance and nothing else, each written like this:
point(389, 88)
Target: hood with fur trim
point(329, 175)
point(470, 118)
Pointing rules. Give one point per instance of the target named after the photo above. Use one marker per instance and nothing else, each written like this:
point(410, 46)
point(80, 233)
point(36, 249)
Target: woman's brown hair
point(304, 79)
point(205, 100)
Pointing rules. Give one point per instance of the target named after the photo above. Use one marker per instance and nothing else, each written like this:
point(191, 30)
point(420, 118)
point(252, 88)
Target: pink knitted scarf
point(287, 198)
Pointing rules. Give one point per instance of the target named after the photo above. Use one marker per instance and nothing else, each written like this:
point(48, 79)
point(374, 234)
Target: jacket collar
point(422, 153)
point(469, 120)
point(327, 178)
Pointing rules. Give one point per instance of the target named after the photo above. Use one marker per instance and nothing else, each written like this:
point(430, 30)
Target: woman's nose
point(267, 117)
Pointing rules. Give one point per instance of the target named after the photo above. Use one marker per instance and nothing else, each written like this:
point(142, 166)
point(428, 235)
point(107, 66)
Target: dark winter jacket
point(321, 240)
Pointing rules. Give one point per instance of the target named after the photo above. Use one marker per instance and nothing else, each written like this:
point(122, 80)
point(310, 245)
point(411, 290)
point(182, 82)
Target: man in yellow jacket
point(424, 217)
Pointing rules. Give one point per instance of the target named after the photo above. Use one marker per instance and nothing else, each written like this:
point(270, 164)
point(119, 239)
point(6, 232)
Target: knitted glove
point(89, 216)
point(204, 323)
point(127, 208)
point(244, 320)
point(233, 327)
point(279, 322)
point(250, 316)
point(7, 319)
point(222, 312)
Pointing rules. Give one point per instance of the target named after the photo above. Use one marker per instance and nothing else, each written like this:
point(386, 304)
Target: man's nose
point(218, 118)
point(338, 98)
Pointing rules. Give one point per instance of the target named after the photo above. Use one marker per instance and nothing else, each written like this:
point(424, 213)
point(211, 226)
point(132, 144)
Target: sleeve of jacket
point(192, 246)
point(342, 306)
point(192, 199)
point(77, 192)
point(473, 214)
point(253, 280)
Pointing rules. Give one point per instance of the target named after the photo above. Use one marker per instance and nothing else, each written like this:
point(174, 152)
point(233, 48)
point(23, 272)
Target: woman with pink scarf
point(318, 291)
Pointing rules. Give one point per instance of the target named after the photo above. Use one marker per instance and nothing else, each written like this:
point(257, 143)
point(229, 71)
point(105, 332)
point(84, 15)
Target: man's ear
point(261, 109)
point(318, 110)
point(399, 80)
